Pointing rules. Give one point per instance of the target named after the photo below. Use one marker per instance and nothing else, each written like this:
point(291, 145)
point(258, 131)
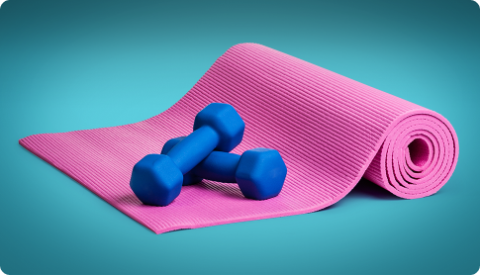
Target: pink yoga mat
point(330, 130)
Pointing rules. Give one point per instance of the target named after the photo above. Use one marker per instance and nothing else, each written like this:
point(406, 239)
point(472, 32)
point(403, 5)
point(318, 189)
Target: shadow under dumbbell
point(129, 199)
point(221, 188)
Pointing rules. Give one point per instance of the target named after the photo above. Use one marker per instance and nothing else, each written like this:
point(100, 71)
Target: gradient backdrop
point(71, 65)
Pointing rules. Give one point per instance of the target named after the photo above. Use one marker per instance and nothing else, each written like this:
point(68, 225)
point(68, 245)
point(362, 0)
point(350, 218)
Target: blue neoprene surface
point(157, 179)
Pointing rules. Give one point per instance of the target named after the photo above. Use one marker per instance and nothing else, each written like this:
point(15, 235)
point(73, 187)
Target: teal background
point(71, 65)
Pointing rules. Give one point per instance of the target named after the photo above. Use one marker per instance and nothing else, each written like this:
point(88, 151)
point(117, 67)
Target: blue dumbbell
point(260, 173)
point(157, 178)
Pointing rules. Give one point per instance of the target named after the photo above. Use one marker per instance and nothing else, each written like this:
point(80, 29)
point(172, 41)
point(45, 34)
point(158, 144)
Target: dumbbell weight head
point(155, 180)
point(225, 121)
point(261, 173)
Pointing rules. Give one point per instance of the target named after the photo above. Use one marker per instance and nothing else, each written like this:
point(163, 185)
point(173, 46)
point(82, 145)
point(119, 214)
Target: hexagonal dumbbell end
point(261, 173)
point(156, 180)
point(226, 122)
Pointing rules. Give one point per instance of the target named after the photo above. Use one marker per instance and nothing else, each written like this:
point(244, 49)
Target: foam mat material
point(330, 130)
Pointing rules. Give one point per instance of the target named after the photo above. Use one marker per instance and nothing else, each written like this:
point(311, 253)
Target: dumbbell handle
point(217, 166)
point(188, 152)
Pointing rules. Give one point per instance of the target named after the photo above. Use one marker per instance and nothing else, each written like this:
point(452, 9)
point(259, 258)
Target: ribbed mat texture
point(330, 130)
